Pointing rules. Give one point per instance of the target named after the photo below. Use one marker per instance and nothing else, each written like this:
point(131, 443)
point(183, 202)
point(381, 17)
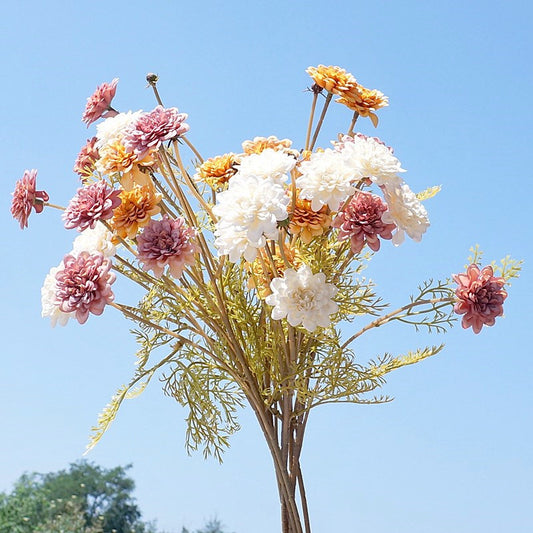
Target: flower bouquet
point(251, 267)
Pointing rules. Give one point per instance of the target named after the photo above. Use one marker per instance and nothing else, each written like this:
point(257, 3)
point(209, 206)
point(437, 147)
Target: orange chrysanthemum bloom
point(334, 79)
point(259, 279)
point(308, 223)
point(115, 158)
point(138, 206)
point(259, 144)
point(365, 101)
point(137, 176)
point(217, 171)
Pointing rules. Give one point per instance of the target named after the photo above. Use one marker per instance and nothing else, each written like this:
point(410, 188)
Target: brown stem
point(321, 120)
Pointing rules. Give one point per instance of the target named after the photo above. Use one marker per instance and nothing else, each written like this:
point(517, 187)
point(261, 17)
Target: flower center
point(304, 299)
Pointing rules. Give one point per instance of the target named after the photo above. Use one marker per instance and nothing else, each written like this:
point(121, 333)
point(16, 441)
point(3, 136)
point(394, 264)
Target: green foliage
point(83, 499)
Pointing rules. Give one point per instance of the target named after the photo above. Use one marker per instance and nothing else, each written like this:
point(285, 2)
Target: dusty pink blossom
point(480, 297)
point(99, 103)
point(151, 129)
point(86, 160)
point(91, 204)
point(360, 221)
point(25, 197)
point(166, 242)
point(84, 285)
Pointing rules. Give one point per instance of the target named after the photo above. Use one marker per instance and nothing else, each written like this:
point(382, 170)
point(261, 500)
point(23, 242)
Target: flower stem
point(321, 119)
point(311, 117)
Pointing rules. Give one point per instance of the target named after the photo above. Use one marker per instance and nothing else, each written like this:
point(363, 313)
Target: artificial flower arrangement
point(250, 264)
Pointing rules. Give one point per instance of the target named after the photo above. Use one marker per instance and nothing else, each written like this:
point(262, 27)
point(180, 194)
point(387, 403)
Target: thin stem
point(192, 147)
point(311, 117)
point(390, 316)
point(48, 204)
point(352, 124)
point(321, 119)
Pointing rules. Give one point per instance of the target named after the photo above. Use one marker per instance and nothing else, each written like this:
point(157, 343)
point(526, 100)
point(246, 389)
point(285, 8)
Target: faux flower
point(303, 297)
point(365, 101)
point(361, 222)
point(138, 206)
point(166, 242)
point(308, 223)
point(99, 103)
point(153, 128)
point(49, 305)
point(269, 163)
point(112, 129)
point(25, 197)
point(253, 205)
point(258, 144)
point(334, 79)
point(480, 296)
point(325, 180)
point(406, 211)
point(115, 158)
point(369, 157)
point(90, 204)
point(99, 239)
point(86, 160)
point(262, 271)
point(83, 286)
point(234, 242)
point(217, 171)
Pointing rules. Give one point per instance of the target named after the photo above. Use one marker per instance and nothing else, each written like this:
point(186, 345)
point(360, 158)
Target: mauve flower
point(151, 129)
point(166, 242)
point(86, 160)
point(360, 221)
point(480, 297)
point(99, 103)
point(25, 197)
point(91, 204)
point(84, 285)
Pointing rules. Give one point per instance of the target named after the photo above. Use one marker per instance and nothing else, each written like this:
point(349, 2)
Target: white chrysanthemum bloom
point(234, 243)
point(253, 205)
point(112, 128)
point(406, 211)
point(369, 158)
point(303, 297)
point(269, 163)
point(98, 239)
point(49, 305)
point(326, 180)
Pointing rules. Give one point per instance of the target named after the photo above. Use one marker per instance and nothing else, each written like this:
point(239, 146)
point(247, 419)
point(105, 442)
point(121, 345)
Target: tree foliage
point(83, 499)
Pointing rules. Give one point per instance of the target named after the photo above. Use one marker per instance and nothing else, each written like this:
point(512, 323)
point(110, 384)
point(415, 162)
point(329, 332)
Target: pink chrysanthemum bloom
point(151, 129)
point(166, 242)
point(99, 103)
point(25, 197)
point(480, 297)
point(91, 204)
point(84, 285)
point(360, 221)
point(86, 160)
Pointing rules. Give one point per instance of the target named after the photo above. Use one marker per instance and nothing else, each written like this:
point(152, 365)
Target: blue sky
point(452, 452)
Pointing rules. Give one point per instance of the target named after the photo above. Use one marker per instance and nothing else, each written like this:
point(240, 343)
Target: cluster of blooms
point(272, 204)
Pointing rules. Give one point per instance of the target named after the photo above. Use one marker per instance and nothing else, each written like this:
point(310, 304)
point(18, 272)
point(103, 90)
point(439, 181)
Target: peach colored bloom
point(308, 223)
point(217, 171)
point(334, 79)
point(99, 103)
point(360, 221)
point(480, 296)
point(25, 197)
point(114, 157)
point(138, 206)
point(83, 286)
point(86, 160)
point(166, 242)
point(365, 101)
point(259, 144)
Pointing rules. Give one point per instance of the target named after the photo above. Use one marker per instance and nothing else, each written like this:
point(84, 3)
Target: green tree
point(102, 497)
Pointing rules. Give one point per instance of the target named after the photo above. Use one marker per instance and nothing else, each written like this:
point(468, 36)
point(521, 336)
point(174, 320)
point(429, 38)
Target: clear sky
point(453, 452)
